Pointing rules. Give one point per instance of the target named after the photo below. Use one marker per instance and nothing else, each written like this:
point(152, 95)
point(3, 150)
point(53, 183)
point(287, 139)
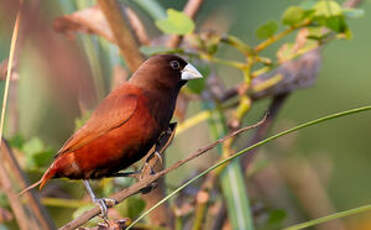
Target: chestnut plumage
point(126, 124)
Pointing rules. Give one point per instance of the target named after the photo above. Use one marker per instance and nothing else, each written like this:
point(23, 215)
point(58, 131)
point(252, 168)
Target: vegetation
point(58, 70)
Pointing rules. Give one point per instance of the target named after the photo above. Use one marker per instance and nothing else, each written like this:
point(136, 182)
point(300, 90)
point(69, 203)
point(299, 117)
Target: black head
point(164, 72)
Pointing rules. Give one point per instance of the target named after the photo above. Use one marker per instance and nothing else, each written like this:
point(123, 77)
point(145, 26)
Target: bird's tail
point(49, 174)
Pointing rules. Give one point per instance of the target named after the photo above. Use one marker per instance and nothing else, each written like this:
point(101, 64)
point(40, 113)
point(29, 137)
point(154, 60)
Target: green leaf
point(315, 31)
point(276, 216)
point(267, 30)
point(336, 24)
point(293, 15)
point(42, 158)
point(17, 141)
point(33, 146)
point(327, 8)
point(176, 22)
point(353, 13)
point(36, 152)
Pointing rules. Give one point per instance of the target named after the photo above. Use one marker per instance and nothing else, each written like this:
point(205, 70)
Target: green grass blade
point(260, 143)
point(236, 197)
point(334, 216)
point(232, 182)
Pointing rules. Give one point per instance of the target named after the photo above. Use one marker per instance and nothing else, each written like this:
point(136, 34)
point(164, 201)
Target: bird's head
point(164, 72)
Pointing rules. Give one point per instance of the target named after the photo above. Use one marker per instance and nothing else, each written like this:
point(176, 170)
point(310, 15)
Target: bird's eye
point(175, 65)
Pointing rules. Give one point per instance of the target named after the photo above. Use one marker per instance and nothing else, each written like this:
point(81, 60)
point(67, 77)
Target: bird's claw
point(104, 204)
point(159, 157)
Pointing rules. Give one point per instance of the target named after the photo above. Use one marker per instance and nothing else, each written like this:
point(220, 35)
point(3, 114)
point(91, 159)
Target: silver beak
point(189, 72)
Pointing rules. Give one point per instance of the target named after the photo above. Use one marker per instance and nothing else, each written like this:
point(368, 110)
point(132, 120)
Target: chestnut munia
point(125, 125)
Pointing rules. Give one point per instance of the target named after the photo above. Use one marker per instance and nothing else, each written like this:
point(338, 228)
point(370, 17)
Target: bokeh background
point(54, 75)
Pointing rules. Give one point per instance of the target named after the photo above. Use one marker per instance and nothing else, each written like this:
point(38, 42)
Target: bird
point(124, 126)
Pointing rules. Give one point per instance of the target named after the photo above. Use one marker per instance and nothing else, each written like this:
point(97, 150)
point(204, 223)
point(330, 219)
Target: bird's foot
point(104, 204)
point(148, 164)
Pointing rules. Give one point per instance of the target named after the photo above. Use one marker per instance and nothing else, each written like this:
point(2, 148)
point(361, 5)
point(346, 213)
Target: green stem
point(237, 43)
point(330, 217)
point(279, 36)
point(260, 143)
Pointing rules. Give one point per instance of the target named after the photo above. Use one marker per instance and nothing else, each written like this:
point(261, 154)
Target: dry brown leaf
point(90, 20)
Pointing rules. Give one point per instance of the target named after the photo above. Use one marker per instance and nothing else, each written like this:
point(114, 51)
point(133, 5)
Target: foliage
point(176, 23)
point(315, 23)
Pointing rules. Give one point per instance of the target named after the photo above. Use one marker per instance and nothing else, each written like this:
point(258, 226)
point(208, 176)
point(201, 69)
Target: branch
point(191, 10)
point(147, 181)
point(124, 39)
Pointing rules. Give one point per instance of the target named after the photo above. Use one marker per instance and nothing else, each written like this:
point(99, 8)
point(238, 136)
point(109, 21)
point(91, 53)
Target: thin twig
point(10, 68)
point(23, 221)
point(33, 200)
point(190, 9)
point(124, 39)
point(145, 182)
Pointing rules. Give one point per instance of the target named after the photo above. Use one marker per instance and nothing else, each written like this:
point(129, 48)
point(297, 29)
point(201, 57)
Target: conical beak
point(189, 72)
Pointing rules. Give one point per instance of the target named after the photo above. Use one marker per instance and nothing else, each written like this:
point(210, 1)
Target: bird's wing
point(113, 112)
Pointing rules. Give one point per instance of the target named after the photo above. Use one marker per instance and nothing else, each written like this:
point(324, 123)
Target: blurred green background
point(337, 150)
